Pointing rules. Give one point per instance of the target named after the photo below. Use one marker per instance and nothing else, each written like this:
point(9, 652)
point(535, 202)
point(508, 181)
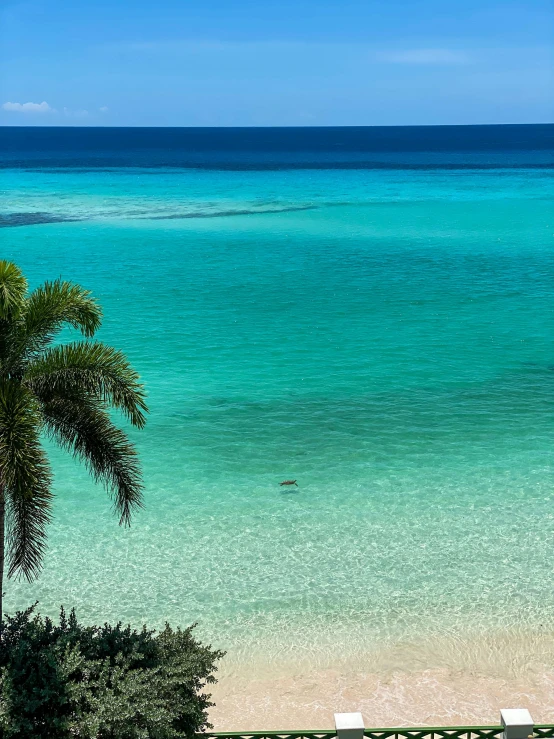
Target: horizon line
point(394, 125)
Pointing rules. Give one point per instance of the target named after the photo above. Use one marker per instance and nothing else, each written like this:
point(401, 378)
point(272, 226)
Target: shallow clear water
point(382, 335)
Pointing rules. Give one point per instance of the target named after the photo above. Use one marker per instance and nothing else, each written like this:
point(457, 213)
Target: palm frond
point(89, 369)
point(54, 305)
point(13, 288)
point(26, 479)
point(83, 427)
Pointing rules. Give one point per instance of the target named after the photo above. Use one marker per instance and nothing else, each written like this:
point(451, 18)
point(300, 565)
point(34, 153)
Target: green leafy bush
point(108, 682)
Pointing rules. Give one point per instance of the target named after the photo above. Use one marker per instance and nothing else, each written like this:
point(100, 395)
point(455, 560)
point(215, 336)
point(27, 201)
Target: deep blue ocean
point(367, 310)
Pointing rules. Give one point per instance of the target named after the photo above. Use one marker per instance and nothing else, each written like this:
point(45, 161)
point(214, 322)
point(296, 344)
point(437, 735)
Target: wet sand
point(442, 683)
point(431, 697)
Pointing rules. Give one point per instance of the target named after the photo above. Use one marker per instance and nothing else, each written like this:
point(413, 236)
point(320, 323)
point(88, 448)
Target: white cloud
point(103, 109)
point(28, 107)
point(75, 113)
point(424, 56)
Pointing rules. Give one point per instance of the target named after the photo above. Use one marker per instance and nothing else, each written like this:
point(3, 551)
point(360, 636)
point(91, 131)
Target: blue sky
point(263, 62)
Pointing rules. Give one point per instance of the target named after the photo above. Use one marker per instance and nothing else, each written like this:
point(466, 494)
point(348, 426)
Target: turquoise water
point(383, 336)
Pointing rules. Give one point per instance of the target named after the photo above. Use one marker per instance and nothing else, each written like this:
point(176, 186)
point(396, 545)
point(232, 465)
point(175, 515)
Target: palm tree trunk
point(2, 531)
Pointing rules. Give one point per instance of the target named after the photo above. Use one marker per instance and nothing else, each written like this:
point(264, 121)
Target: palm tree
point(62, 391)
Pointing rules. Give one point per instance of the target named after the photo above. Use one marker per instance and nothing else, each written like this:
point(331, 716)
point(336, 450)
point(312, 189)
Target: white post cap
point(517, 723)
point(350, 725)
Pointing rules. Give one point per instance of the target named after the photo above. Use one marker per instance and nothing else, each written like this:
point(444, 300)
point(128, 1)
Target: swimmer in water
point(288, 482)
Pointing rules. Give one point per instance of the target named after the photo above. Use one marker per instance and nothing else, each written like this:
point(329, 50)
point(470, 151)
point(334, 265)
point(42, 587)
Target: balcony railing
point(540, 731)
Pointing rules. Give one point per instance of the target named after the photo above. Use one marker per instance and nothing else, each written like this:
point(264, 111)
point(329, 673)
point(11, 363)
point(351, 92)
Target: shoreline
point(434, 697)
point(445, 681)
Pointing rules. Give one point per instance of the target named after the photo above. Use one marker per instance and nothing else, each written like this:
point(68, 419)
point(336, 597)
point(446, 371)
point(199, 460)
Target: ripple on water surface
point(383, 337)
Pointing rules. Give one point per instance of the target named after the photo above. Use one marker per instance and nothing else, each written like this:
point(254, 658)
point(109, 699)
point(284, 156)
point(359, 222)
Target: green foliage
point(65, 392)
point(13, 287)
point(110, 682)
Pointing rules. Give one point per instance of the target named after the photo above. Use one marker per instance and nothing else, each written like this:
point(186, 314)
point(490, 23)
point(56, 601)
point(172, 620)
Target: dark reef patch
point(224, 213)
point(32, 219)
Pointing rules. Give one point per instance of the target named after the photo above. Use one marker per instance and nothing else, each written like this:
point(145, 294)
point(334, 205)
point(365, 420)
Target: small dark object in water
point(289, 482)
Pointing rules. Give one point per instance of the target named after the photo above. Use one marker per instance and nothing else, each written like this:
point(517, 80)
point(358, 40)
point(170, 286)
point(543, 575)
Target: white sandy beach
point(395, 688)
point(430, 697)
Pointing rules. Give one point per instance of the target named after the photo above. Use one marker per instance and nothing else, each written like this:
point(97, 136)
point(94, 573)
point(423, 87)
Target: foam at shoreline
point(453, 681)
